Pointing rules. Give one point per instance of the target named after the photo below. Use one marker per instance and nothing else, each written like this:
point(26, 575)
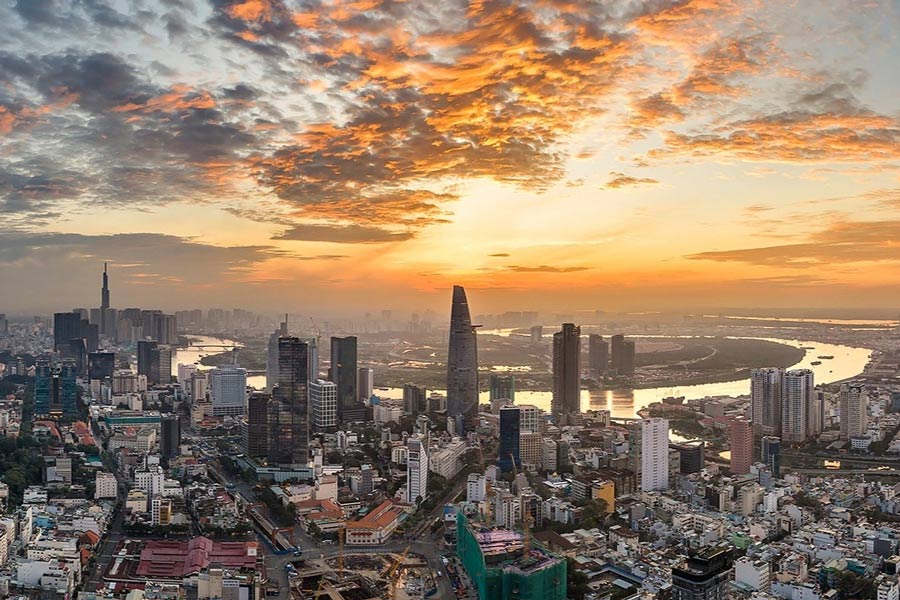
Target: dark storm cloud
point(342, 234)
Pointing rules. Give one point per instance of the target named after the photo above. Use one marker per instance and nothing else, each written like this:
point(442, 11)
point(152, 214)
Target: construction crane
point(392, 570)
point(527, 522)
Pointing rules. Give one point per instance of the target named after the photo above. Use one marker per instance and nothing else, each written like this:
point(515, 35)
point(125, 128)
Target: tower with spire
point(104, 301)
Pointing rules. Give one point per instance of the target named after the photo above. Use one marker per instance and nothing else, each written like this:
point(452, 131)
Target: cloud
point(499, 255)
point(342, 234)
point(839, 243)
point(545, 269)
point(620, 180)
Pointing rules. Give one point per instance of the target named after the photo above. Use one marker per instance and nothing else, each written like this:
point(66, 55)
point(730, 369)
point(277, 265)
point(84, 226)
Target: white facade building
point(150, 479)
point(105, 485)
point(654, 454)
point(446, 460)
point(228, 390)
point(476, 487)
point(854, 402)
point(796, 403)
point(754, 574)
point(323, 397)
point(416, 471)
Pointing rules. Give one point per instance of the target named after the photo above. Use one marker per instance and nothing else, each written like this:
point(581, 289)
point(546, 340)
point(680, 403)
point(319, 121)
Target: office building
point(704, 576)
point(771, 454)
point(415, 399)
point(598, 355)
point(654, 452)
point(692, 455)
point(796, 401)
point(510, 432)
point(148, 361)
point(503, 387)
point(741, 446)
point(765, 400)
point(854, 404)
point(324, 399)
point(462, 362)
point(199, 385)
point(366, 382)
point(416, 471)
point(228, 390)
point(536, 334)
point(101, 365)
point(566, 370)
point(55, 389)
point(170, 436)
point(289, 409)
point(343, 373)
point(887, 587)
point(255, 428)
point(104, 301)
point(272, 355)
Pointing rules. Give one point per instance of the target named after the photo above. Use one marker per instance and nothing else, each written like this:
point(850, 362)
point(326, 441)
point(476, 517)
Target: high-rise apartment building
point(566, 370)
point(854, 404)
point(416, 471)
point(323, 397)
point(289, 410)
point(228, 390)
point(462, 362)
point(622, 357)
point(798, 390)
point(765, 400)
point(654, 454)
point(598, 355)
point(343, 373)
point(741, 446)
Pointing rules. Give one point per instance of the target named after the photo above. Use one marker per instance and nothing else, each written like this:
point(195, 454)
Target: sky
point(359, 155)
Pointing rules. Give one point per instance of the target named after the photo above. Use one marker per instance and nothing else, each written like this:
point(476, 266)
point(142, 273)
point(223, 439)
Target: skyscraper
point(796, 399)
point(104, 302)
point(510, 431)
point(598, 355)
point(462, 361)
point(366, 379)
point(170, 436)
point(256, 425)
point(741, 446)
point(771, 454)
point(148, 361)
point(323, 398)
point(289, 409)
point(415, 399)
point(343, 374)
point(566, 370)
point(55, 388)
point(66, 326)
point(654, 454)
point(503, 387)
point(765, 400)
point(272, 355)
point(854, 403)
point(228, 390)
point(416, 471)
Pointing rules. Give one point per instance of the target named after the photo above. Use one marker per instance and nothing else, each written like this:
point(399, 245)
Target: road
point(108, 545)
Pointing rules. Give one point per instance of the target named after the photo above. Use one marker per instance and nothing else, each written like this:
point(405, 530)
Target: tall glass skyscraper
point(462, 361)
point(289, 409)
point(510, 435)
point(566, 370)
point(343, 374)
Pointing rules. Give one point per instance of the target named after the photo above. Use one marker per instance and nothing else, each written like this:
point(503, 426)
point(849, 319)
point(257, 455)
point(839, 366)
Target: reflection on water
point(624, 403)
point(204, 345)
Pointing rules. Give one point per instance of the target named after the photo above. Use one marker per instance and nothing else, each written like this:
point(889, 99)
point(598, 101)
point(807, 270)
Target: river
point(847, 362)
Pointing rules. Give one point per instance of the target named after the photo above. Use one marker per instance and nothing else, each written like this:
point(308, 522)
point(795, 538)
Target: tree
point(576, 581)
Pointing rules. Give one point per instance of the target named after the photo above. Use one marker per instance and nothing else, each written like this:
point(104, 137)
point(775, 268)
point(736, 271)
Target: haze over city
point(547, 155)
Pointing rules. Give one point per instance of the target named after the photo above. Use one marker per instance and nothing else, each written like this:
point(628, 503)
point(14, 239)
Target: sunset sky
point(546, 154)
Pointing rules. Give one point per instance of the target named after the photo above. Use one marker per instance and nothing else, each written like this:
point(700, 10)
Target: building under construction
point(503, 566)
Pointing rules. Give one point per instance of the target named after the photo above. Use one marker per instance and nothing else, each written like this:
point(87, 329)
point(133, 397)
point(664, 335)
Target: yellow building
point(605, 490)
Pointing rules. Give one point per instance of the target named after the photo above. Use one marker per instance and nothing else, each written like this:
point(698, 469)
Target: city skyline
point(639, 155)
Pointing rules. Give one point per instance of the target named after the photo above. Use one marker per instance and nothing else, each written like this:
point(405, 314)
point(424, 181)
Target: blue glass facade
point(509, 438)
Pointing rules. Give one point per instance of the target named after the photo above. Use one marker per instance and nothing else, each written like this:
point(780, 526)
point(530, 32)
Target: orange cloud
point(251, 10)
point(181, 97)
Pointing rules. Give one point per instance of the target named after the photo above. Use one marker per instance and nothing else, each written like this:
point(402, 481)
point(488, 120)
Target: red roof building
point(175, 559)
